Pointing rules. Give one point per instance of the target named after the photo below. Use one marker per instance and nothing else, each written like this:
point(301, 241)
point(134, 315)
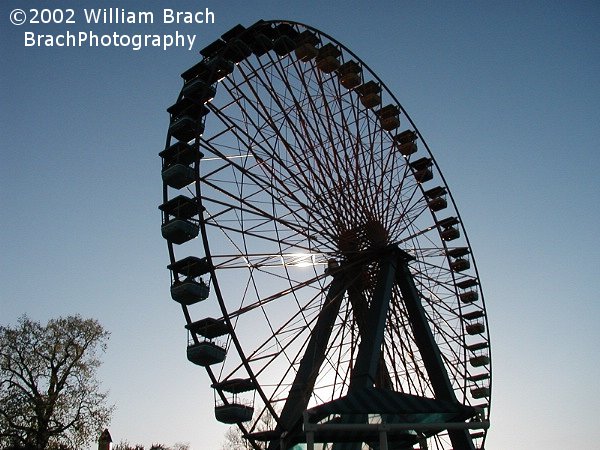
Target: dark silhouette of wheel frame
point(324, 272)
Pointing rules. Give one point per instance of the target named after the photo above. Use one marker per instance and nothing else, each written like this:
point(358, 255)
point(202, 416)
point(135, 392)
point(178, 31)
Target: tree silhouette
point(124, 445)
point(49, 395)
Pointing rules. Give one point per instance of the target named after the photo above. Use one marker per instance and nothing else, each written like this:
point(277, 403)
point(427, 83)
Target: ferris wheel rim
point(206, 243)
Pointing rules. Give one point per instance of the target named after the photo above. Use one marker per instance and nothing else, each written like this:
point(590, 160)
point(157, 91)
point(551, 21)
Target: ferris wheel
point(324, 272)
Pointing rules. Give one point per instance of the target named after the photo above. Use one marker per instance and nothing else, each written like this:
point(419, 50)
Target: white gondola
point(459, 261)
point(469, 296)
point(437, 203)
point(478, 346)
point(370, 100)
point(327, 60)
point(187, 119)
point(178, 176)
point(460, 264)
point(369, 94)
point(422, 169)
point(177, 224)
point(328, 64)
point(479, 361)
point(179, 231)
point(407, 149)
point(480, 392)
point(189, 291)
point(350, 80)
point(436, 198)
point(473, 315)
point(261, 44)
point(199, 90)
point(390, 123)
point(219, 68)
point(479, 377)
point(306, 51)
point(475, 328)
point(450, 233)
point(307, 46)
point(467, 283)
point(185, 128)
point(177, 159)
point(206, 353)
point(283, 45)
point(233, 413)
point(389, 117)
point(349, 74)
point(406, 142)
point(234, 410)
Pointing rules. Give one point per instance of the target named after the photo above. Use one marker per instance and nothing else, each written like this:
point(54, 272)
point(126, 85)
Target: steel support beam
point(432, 359)
point(290, 418)
point(395, 427)
point(368, 358)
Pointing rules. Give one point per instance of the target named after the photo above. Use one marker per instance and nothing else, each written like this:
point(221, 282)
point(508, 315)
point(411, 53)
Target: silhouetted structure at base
point(105, 440)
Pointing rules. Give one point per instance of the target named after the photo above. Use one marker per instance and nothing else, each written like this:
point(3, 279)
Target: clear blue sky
point(507, 95)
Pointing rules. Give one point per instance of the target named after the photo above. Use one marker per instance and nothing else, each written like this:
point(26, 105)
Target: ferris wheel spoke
point(335, 134)
point(273, 260)
point(247, 207)
point(298, 133)
point(406, 191)
point(293, 359)
point(253, 206)
point(389, 191)
point(338, 360)
point(344, 136)
point(261, 237)
point(416, 234)
point(413, 370)
point(286, 191)
point(450, 356)
point(268, 114)
point(414, 208)
point(319, 128)
point(342, 191)
point(411, 380)
point(263, 301)
point(433, 284)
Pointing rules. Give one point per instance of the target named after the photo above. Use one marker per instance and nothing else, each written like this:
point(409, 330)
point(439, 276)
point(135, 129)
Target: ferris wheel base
point(405, 420)
point(382, 436)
